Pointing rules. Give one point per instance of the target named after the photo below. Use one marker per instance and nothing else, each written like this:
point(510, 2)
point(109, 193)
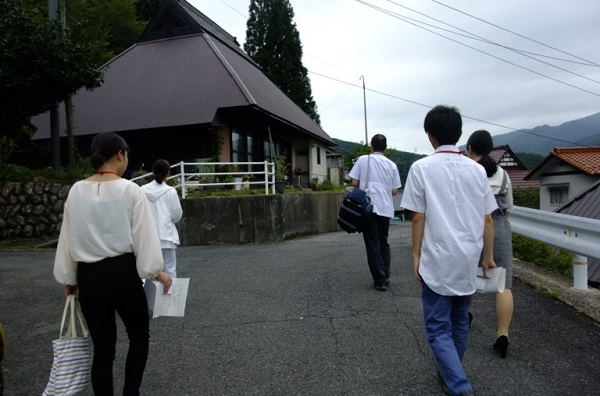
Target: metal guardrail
point(187, 180)
point(579, 235)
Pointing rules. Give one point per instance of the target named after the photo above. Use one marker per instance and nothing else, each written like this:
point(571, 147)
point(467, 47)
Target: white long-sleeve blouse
point(106, 219)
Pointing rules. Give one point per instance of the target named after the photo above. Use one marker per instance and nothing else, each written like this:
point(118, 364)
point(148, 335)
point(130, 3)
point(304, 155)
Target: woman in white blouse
point(107, 244)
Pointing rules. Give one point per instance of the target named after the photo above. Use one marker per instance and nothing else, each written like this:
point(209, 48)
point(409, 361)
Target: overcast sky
point(408, 69)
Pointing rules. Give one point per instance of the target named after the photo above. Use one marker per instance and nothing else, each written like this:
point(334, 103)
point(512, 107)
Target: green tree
point(145, 9)
point(40, 64)
point(273, 41)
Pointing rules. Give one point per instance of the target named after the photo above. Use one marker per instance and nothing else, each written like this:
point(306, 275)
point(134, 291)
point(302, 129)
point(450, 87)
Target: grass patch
point(28, 244)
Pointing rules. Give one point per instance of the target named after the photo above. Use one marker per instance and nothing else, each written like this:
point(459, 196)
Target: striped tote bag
point(70, 373)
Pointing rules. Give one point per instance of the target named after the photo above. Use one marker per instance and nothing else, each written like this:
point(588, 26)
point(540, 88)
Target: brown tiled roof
point(586, 159)
point(517, 178)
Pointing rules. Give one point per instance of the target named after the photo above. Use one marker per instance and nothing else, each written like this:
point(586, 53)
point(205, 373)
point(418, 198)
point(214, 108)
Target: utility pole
point(54, 122)
point(365, 107)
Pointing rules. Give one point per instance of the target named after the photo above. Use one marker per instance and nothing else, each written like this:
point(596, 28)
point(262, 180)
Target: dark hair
point(104, 146)
point(161, 169)
point(444, 123)
point(482, 144)
point(379, 142)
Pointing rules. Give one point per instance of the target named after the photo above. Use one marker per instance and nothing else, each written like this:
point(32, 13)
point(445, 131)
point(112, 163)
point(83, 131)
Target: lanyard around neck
point(449, 152)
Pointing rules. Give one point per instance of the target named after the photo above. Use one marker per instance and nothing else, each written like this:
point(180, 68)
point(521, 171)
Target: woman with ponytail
point(479, 146)
point(167, 211)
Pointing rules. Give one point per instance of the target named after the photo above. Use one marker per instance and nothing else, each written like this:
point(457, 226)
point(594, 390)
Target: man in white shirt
point(452, 202)
point(380, 177)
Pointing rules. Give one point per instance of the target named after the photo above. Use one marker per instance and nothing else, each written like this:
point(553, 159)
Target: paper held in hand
point(171, 304)
point(494, 283)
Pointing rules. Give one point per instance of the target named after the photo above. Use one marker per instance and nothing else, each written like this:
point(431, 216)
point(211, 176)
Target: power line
point(589, 62)
point(463, 116)
point(473, 36)
point(392, 14)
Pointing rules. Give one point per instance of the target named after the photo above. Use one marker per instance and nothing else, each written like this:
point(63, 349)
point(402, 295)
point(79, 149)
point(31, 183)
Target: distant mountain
point(403, 159)
point(543, 139)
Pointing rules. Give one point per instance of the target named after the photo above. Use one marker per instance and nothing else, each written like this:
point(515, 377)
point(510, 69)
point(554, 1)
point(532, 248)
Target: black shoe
point(386, 282)
point(380, 286)
point(501, 345)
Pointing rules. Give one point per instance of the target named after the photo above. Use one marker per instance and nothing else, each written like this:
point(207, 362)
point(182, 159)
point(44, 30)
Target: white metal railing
point(188, 179)
point(579, 235)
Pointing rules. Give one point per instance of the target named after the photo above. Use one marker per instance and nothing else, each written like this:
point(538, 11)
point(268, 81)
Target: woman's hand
point(166, 281)
point(69, 289)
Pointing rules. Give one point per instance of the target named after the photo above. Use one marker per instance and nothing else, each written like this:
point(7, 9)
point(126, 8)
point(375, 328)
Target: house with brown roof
point(186, 92)
point(508, 160)
point(565, 173)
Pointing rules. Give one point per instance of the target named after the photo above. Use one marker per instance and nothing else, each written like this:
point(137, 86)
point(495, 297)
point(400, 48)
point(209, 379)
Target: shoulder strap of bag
point(504, 180)
point(367, 181)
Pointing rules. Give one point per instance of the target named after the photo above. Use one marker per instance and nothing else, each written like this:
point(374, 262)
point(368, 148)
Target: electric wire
point(476, 37)
point(463, 115)
point(589, 62)
point(390, 13)
point(425, 105)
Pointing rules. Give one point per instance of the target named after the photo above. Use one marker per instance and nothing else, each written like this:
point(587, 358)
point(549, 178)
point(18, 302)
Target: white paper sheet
point(494, 283)
point(171, 304)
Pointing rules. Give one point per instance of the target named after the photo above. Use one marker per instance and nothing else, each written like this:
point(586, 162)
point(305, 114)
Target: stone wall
point(31, 209)
point(35, 209)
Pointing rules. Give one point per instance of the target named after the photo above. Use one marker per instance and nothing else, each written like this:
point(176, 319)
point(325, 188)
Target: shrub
point(18, 173)
point(536, 252)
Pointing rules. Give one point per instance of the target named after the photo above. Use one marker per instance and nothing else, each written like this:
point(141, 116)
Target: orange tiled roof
point(586, 159)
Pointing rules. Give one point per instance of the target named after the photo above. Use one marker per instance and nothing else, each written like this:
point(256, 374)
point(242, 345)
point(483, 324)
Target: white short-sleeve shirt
point(454, 194)
point(383, 177)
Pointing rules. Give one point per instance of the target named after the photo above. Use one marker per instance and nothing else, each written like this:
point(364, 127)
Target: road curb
point(586, 302)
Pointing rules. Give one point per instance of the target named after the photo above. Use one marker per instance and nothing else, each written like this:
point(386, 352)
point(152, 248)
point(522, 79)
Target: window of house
point(243, 147)
point(318, 155)
point(558, 195)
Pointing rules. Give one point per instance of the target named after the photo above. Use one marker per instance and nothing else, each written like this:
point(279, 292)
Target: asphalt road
point(301, 318)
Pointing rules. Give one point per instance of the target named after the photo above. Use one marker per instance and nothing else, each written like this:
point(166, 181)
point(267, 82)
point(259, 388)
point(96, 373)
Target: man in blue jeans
point(379, 176)
point(452, 204)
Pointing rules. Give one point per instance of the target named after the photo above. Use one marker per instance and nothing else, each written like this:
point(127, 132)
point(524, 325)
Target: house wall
point(318, 171)
point(577, 184)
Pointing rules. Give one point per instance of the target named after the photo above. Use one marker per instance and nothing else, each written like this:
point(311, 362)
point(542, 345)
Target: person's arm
point(166, 281)
point(418, 224)
point(355, 183)
point(176, 211)
point(395, 191)
point(488, 245)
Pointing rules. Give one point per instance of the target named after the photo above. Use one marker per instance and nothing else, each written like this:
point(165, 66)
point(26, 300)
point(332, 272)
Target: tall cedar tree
point(273, 42)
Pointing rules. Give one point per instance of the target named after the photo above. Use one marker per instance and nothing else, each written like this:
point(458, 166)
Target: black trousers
point(375, 236)
point(107, 287)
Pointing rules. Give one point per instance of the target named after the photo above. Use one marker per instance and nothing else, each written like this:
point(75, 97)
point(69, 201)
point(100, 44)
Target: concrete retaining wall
point(258, 218)
point(35, 209)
